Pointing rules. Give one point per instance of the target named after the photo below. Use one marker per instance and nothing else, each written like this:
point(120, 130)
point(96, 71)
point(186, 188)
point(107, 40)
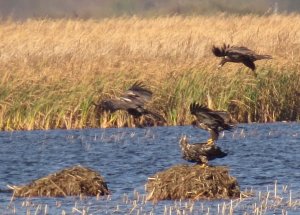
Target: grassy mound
point(72, 181)
point(192, 182)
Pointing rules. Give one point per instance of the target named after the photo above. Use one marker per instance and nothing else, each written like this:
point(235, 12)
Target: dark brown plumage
point(238, 54)
point(132, 101)
point(212, 121)
point(200, 153)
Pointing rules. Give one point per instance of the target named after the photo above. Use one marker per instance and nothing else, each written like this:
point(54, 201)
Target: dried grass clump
point(72, 181)
point(192, 182)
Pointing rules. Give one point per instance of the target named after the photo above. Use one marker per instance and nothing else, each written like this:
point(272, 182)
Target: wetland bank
point(52, 69)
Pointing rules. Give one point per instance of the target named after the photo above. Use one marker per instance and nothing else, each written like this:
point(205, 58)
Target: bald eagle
point(132, 101)
point(238, 54)
point(212, 121)
point(199, 153)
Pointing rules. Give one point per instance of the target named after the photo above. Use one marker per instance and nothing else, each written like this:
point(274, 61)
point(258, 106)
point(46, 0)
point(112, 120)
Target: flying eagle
point(212, 121)
point(199, 153)
point(132, 101)
point(238, 54)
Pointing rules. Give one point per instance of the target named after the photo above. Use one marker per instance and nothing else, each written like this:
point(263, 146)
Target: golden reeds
point(52, 70)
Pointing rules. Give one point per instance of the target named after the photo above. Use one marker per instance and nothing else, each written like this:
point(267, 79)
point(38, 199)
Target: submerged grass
point(52, 70)
point(276, 200)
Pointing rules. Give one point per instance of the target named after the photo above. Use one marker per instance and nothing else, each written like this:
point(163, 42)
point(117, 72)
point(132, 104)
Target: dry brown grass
point(74, 181)
point(51, 70)
point(192, 182)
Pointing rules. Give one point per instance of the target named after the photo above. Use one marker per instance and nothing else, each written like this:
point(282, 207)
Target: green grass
point(272, 96)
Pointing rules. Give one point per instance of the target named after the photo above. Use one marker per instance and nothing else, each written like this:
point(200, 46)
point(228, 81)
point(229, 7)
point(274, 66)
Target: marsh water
point(258, 155)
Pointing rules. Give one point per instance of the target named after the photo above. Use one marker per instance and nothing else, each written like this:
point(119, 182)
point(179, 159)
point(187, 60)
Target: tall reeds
point(52, 70)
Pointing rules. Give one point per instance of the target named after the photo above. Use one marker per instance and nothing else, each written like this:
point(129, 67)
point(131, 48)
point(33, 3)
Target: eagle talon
point(204, 165)
point(210, 141)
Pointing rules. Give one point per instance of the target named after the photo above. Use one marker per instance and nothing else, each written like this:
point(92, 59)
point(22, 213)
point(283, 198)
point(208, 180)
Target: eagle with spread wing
point(238, 54)
point(132, 100)
point(212, 121)
point(199, 153)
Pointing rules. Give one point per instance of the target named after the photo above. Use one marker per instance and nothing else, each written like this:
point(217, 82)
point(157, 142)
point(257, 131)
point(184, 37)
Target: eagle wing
point(213, 121)
point(206, 115)
point(137, 94)
point(240, 53)
point(220, 52)
point(233, 52)
point(250, 64)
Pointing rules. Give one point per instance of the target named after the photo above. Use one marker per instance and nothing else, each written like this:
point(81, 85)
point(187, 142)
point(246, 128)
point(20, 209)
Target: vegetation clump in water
point(192, 182)
point(72, 181)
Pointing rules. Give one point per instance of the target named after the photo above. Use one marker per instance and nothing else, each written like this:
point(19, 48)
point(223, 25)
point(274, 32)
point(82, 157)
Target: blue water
point(258, 155)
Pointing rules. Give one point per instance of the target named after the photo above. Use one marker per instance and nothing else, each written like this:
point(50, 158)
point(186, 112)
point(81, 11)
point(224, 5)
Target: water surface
point(258, 155)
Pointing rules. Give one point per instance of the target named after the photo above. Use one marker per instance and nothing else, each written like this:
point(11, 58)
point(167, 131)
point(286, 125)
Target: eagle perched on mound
point(212, 121)
point(200, 153)
point(238, 54)
point(132, 101)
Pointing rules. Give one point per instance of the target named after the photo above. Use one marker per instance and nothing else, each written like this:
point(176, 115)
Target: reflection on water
point(258, 154)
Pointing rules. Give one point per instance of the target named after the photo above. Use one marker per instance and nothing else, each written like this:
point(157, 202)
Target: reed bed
point(52, 70)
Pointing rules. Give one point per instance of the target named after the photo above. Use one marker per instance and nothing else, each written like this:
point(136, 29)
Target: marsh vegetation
point(52, 70)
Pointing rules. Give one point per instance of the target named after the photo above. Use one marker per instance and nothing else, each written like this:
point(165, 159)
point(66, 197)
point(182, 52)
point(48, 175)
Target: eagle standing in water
point(132, 101)
point(238, 54)
point(212, 121)
point(200, 153)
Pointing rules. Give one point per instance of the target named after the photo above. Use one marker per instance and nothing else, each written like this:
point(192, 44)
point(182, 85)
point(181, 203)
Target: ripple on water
point(258, 155)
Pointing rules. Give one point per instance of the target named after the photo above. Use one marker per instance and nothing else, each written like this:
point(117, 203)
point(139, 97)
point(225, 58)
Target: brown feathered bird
point(199, 153)
point(238, 54)
point(132, 101)
point(212, 121)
